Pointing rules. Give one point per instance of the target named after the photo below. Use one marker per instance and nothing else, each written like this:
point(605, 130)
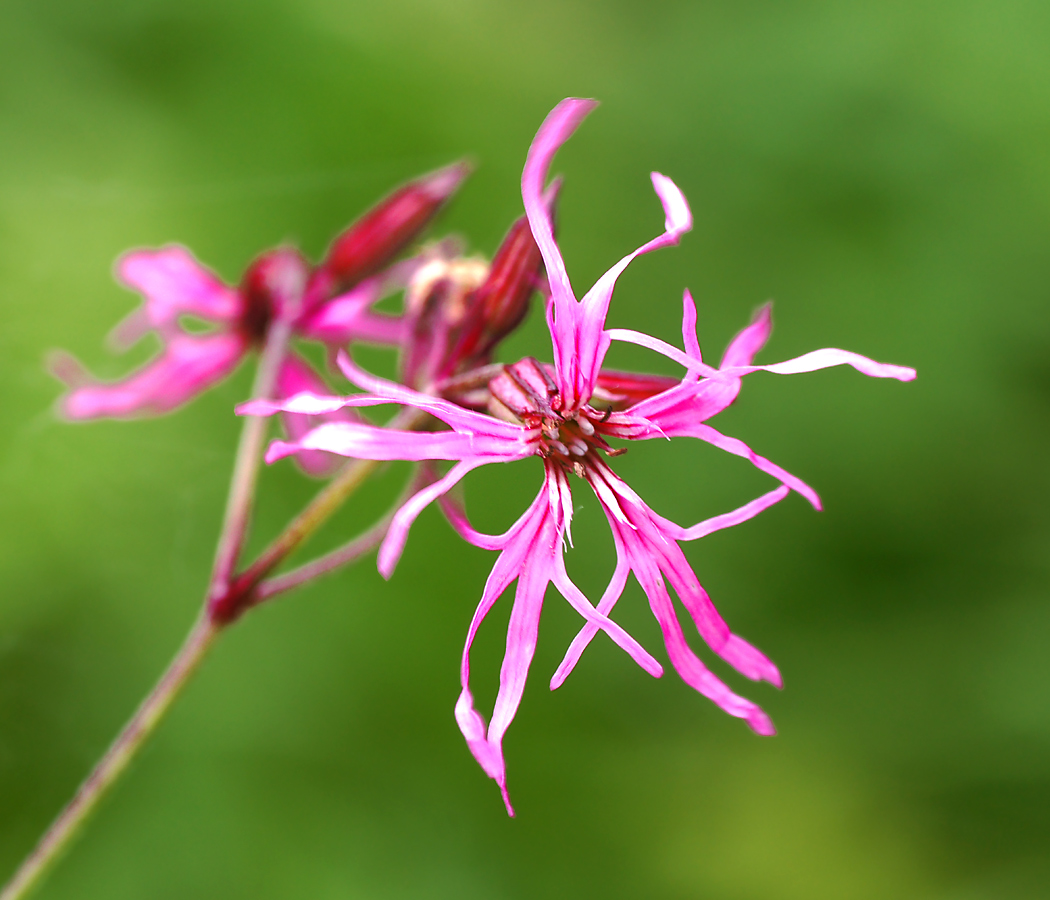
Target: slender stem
point(115, 761)
point(341, 556)
point(227, 606)
point(248, 460)
point(193, 650)
point(349, 552)
point(226, 601)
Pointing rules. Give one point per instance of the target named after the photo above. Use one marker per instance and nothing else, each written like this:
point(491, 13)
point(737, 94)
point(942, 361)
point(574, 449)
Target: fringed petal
point(742, 349)
point(187, 366)
point(825, 359)
point(396, 536)
point(297, 377)
point(725, 520)
point(592, 340)
point(174, 284)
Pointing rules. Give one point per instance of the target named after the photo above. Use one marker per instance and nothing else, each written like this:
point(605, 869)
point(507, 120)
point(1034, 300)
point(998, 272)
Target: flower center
point(525, 393)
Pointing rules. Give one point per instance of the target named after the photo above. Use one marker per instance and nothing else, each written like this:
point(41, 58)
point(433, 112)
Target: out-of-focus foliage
point(881, 170)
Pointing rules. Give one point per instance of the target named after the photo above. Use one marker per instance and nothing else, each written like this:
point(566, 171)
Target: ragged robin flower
point(331, 303)
point(562, 414)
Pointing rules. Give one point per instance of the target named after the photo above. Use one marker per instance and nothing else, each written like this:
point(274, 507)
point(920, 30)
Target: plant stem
point(226, 599)
point(248, 460)
point(205, 630)
point(349, 552)
point(228, 606)
point(115, 761)
point(341, 556)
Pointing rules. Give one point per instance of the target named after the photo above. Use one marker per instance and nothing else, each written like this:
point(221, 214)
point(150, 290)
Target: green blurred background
point(880, 170)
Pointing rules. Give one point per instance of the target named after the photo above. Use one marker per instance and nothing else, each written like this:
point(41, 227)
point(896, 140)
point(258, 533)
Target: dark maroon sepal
point(385, 230)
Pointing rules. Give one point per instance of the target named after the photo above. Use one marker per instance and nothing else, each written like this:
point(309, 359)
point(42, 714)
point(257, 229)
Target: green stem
point(227, 599)
point(135, 733)
point(114, 762)
point(240, 596)
point(341, 556)
point(248, 460)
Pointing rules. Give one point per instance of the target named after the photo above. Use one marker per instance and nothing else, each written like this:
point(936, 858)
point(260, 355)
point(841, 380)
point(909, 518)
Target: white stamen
point(585, 425)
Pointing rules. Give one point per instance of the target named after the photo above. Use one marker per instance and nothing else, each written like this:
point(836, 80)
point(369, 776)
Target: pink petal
point(532, 553)
point(742, 349)
point(628, 388)
point(685, 661)
point(452, 415)
point(598, 619)
point(174, 284)
point(517, 439)
point(457, 518)
point(743, 657)
point(394, 542)
point(646, 543)
point(689, 336)
point(682, 405)
point(556, 129)
point(726, 520)
point(187, 366)
point(825, 358)
point(592, 341)
point(349, 317)
point(739, 448)
point(662, 548)
point(629, 336)
point(297, 377)
point(684, 426)
point(583, 638)
point(522, 632)
point(360, 441)
point(484, 745)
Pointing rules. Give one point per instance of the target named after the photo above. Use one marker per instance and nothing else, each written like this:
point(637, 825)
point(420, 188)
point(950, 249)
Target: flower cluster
point(571, 413)
point(458, 409)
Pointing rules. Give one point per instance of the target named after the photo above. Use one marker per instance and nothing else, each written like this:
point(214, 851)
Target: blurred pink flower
point(547, 411)
point(331, 303)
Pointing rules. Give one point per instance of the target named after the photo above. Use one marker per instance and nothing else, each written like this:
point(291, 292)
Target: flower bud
point(380, 234)
point(500, 304)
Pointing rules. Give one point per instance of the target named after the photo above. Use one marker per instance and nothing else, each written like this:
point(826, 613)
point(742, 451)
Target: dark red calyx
point(386, 229)
point(272, 285)
point(621, 390)
point(500, 304)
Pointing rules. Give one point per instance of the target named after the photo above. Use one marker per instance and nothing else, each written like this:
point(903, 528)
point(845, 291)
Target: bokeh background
point(882, 171)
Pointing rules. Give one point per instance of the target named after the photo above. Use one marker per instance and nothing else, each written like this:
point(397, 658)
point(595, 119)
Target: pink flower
point(548, 411)
point(332, 303)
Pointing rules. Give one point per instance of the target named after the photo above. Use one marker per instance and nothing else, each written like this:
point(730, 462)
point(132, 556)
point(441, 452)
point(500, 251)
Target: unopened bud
point(381, 233)
point(272, 286)
point(501, 303)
